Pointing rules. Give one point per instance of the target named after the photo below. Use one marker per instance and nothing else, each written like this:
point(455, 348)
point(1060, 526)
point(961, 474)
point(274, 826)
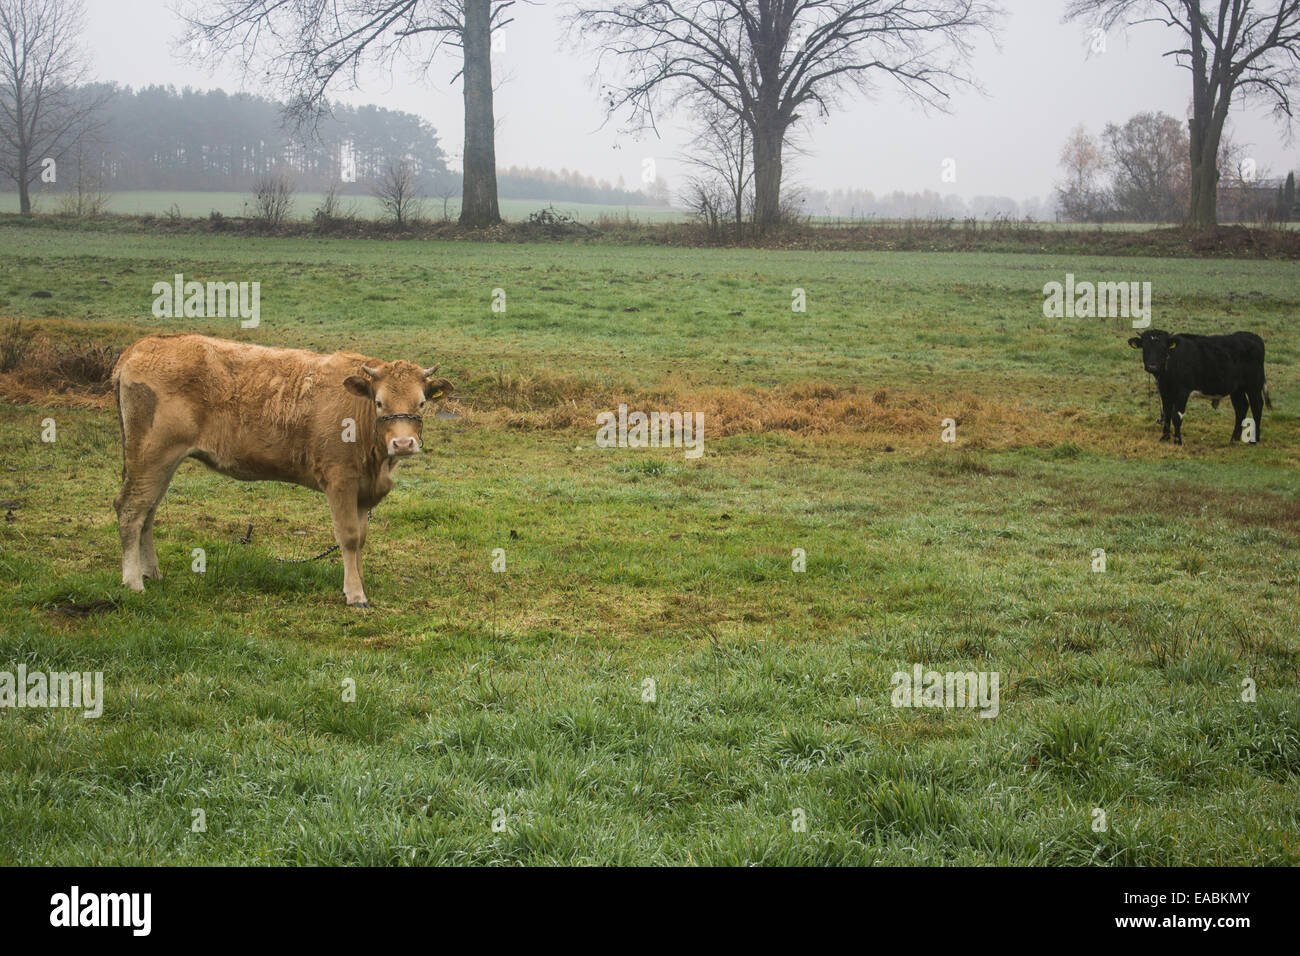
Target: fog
point(1038, 82)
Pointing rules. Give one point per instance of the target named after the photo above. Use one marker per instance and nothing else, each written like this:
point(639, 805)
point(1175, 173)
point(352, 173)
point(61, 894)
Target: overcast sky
point(1038, 85)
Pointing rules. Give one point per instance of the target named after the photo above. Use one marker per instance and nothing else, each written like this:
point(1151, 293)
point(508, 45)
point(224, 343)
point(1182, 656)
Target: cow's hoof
point(1178, 441)
point(1164, 438)
point(359, 604)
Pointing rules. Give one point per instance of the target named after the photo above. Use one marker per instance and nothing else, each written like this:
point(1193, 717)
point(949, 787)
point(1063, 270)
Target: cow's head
point(399, 391)
point(1155, 345)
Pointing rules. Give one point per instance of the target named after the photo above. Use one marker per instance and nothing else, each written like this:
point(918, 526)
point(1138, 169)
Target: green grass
point(519, 696)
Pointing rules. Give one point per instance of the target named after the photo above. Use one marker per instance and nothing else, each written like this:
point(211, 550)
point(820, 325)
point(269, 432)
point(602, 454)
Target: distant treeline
point(566, 186)
point(864, 204)
point(162, 138)
point(209, 140)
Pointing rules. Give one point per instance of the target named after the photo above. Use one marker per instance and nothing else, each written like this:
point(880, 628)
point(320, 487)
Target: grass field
point(520, 698)
point(198, 205)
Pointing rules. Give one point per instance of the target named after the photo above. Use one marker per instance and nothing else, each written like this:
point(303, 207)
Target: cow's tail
point(1267, 400)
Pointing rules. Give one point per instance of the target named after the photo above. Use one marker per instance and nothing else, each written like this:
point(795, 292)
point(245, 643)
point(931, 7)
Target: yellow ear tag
point(1173, 345)
point(437, 394)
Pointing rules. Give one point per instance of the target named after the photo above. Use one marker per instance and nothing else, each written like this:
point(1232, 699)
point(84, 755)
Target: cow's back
point(1218, 365)
point(249, 411)
point(1248, 346)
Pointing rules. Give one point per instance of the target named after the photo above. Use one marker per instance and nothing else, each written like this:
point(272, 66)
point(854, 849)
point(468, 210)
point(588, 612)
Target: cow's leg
point(1166, 413)
point(1239, 406)
point(1256, 396)
point(128, 528)
point(1180, 409)
point(149, 472)
point(148, 556)
point(349, 532)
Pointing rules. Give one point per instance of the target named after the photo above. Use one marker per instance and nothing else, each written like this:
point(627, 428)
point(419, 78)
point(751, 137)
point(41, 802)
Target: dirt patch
point(80, 609)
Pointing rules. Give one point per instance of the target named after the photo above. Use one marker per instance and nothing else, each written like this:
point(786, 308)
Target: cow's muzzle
point(401, 447)
point(408, 445)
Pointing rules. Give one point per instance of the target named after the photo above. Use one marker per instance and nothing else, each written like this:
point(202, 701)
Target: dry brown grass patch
point(53, 366)
point(37, 367)
point(869, 416)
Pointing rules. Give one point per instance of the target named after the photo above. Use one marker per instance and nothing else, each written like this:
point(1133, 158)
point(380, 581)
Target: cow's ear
point(359, 386)
point(438, 388)
point(1135, 342)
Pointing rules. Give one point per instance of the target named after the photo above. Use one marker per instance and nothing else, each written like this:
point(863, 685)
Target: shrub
point(273, 199)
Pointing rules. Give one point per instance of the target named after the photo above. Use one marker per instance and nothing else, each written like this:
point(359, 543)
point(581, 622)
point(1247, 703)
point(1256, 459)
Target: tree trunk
point(479, 200)
point(1203, 134)
point(740, 182)
point(1204, 208)
point(767, 176)
point(24, 184)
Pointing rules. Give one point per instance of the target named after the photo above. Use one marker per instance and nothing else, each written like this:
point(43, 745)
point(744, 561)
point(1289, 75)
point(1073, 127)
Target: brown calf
point(337, 424)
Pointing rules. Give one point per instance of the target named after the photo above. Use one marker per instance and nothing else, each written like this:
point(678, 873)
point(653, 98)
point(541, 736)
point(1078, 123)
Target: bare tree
point(396, 191)
point(41, 110)
point(767, 61)
point(1147, 157)
point(446, 194)
point(309, 48)
point(1081, 198)
point(722, 156)
point(1233, 48)
point(86, 199)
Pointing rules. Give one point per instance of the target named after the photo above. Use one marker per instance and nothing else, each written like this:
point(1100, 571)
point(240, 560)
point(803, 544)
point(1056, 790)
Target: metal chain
point(248, 537)
point(327, 551)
